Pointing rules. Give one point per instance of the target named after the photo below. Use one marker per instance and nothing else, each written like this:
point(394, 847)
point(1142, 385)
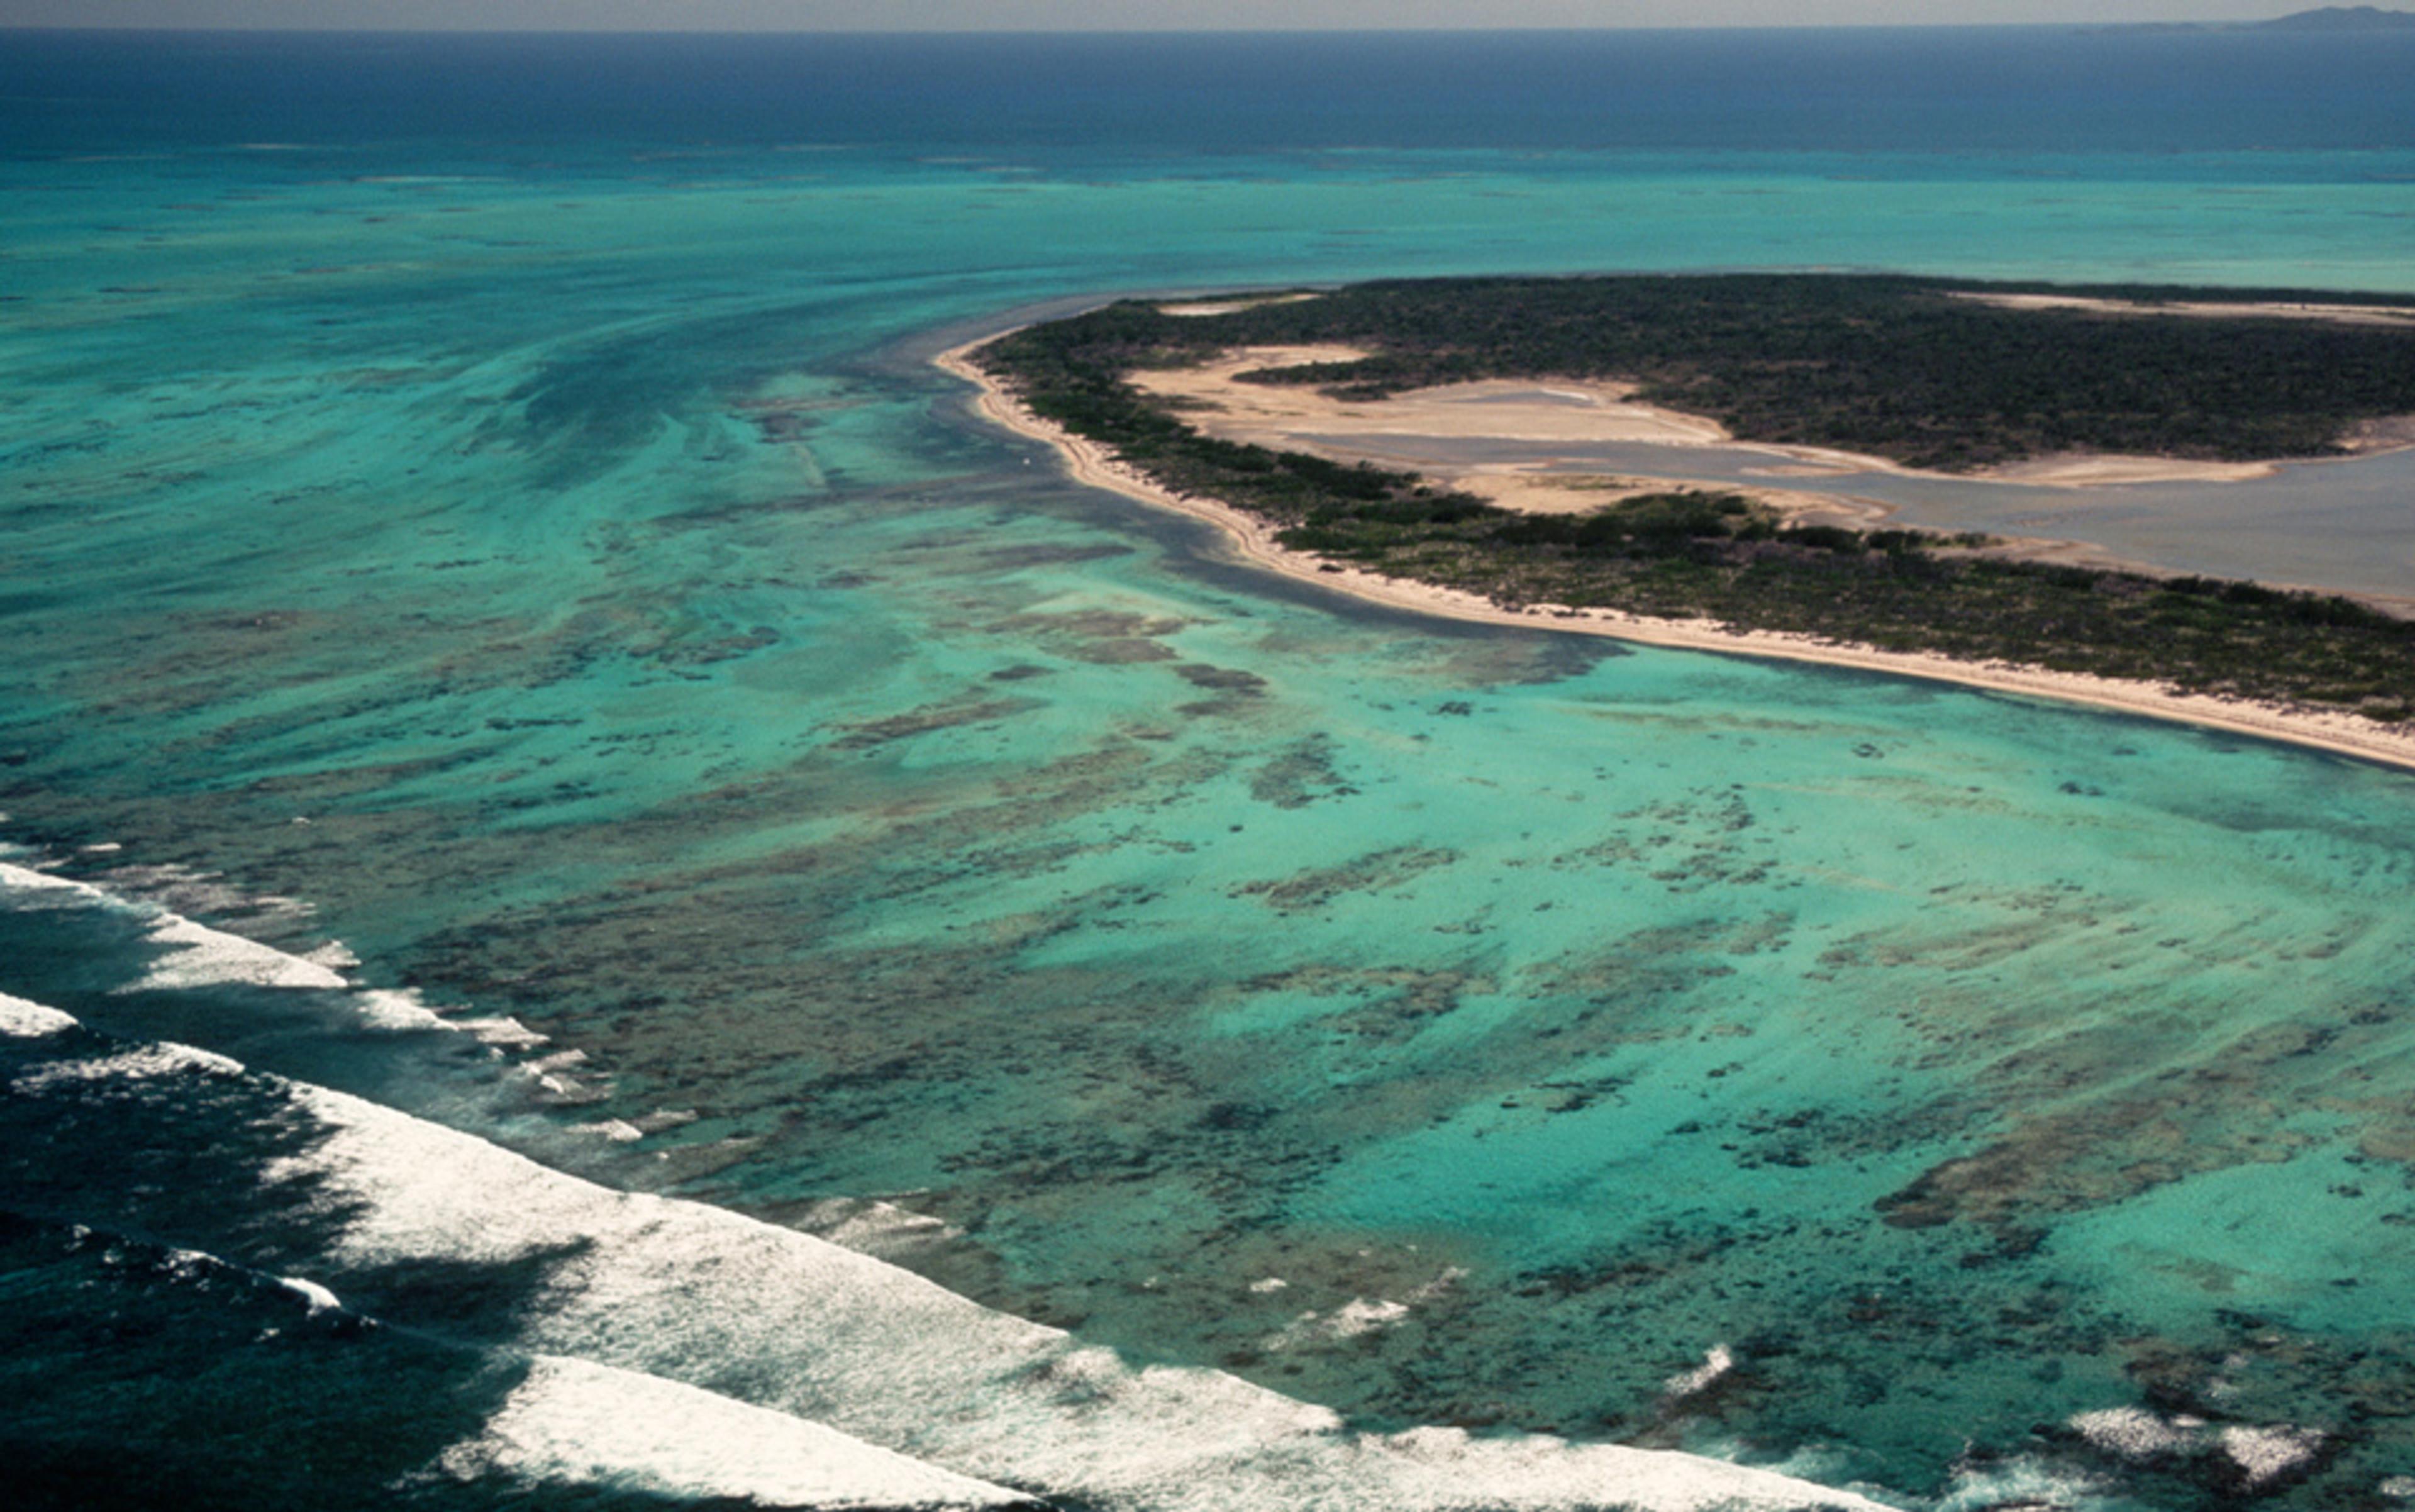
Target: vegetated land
point(1891, 366)
point(2341, 19)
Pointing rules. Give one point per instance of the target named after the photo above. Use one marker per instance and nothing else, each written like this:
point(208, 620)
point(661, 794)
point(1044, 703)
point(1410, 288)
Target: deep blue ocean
point(2020, 91)
point(607, 901)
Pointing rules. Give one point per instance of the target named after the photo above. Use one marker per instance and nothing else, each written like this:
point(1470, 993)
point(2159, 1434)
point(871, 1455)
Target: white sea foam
point(676, 1289)
point(875, 1228)
point(552, 1076)
point(1348, 1320)
point(321, 1299)
point(403, 1011)
point(142, 1063)
point(186, 890)
point(500, 1032)
point(24, 1019)
point(400, 1009)
point(2024, 1481)
point(571, 1420)
point(43, 891)
point(684, 1292)
point(2135, 1434)
point(197, 956)
point(1361, 1316)
point(619, 1131)
point(2264, 1455)
point(335, 955)
point(1717, 1363)
point(200, 956)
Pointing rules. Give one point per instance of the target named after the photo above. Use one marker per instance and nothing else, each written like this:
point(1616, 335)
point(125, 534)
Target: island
point(2341, 19)
point(2331, 20)
point(1191, 404)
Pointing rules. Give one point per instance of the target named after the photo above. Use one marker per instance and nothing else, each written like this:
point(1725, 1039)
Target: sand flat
point(2389, 315)
point(1294, 416)
point(1197, 308)
point(1542, 411)
point(1536, 489)
point(2083, 469)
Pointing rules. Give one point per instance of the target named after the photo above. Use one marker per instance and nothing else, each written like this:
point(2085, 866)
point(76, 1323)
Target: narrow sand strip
point(2393, 315)
point(1253, 541)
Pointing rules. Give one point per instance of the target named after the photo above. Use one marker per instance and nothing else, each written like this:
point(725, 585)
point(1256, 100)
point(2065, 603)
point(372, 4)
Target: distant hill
point(2327, 19)
point(2342, 19)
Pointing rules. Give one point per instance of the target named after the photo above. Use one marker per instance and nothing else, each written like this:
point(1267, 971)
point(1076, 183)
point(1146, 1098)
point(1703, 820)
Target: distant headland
point(2324, 18)
point(2341, 19)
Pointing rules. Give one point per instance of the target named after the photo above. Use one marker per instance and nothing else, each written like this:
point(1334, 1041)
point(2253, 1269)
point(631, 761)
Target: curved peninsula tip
point(1920, 373)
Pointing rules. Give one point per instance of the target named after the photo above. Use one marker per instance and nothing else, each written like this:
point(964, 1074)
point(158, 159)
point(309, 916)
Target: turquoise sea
point(602, 888)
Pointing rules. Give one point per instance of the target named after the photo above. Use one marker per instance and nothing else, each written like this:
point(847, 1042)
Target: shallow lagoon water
point(552, 571)
point(2343, 525)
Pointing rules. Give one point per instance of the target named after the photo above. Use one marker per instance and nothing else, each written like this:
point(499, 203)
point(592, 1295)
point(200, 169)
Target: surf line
point(865, 1378)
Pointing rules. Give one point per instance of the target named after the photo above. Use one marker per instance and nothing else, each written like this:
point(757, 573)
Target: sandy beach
point(2389, 315)
point(1253, 541)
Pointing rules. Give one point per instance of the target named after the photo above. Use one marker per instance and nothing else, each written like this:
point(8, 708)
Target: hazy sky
point(1113, 15)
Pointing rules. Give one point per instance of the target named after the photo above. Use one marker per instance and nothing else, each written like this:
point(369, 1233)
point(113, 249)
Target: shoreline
point(1251, 541)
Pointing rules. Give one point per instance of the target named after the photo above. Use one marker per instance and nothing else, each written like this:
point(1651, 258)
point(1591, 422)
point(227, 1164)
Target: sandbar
point(2397, 315)
point(1253, 541)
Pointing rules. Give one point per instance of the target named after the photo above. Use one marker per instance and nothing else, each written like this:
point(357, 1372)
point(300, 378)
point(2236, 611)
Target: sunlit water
point(532, 550)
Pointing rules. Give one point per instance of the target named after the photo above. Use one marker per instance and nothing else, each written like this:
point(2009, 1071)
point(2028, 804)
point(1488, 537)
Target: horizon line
point(241, 29)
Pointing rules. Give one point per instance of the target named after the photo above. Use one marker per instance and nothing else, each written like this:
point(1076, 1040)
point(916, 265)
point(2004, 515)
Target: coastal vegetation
point(1901, 367)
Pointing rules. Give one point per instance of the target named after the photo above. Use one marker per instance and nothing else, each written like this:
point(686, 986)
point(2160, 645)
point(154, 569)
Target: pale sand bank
point(1213, 398)
point(1530, 490)
point(1225, 306)
point(1253, 541)
point(2082, 470)
point(2397, 315)
point(1302, 418)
